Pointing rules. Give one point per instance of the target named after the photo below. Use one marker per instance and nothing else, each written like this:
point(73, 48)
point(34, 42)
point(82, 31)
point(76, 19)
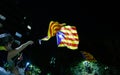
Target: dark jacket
point(3, 56)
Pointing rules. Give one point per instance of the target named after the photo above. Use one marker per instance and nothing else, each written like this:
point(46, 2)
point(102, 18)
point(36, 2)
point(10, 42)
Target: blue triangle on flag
point(59, 36)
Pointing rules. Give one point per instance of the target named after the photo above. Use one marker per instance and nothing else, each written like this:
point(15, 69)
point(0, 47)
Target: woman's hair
point(6, 38)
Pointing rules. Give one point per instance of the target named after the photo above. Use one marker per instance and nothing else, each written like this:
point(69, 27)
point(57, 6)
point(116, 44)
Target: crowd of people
point(7, 53)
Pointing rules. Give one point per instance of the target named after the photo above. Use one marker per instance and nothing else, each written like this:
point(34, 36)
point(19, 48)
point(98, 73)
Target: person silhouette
point(7, 53)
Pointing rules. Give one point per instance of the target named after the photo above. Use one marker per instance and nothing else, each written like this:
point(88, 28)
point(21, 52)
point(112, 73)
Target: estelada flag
point(54, 27)
point(68, 37)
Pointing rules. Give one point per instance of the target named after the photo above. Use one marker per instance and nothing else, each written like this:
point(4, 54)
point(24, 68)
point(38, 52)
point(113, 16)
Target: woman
point(6, 51)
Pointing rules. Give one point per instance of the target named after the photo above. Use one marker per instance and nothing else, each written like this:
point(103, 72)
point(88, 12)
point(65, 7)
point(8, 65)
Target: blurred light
point(27, 64)
point(2, 35)
point(48, 73)
point(2, 17)
point(18, 34)
point(29, 27)
point(31, 66)
point(40, 42)
point(86, 62)
point(106, 67)
point(24, 18)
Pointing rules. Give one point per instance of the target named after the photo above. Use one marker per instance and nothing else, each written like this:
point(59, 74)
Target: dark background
point(95, 22)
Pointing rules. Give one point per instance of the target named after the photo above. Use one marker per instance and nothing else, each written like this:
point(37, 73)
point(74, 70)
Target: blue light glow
point(18, 34)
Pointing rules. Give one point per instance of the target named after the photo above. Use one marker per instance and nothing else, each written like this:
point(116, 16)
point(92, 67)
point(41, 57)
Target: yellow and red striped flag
point(68, 37)
point(54, 27)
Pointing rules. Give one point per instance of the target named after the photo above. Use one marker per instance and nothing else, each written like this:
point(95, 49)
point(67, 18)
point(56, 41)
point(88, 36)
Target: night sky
point(95, 25)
